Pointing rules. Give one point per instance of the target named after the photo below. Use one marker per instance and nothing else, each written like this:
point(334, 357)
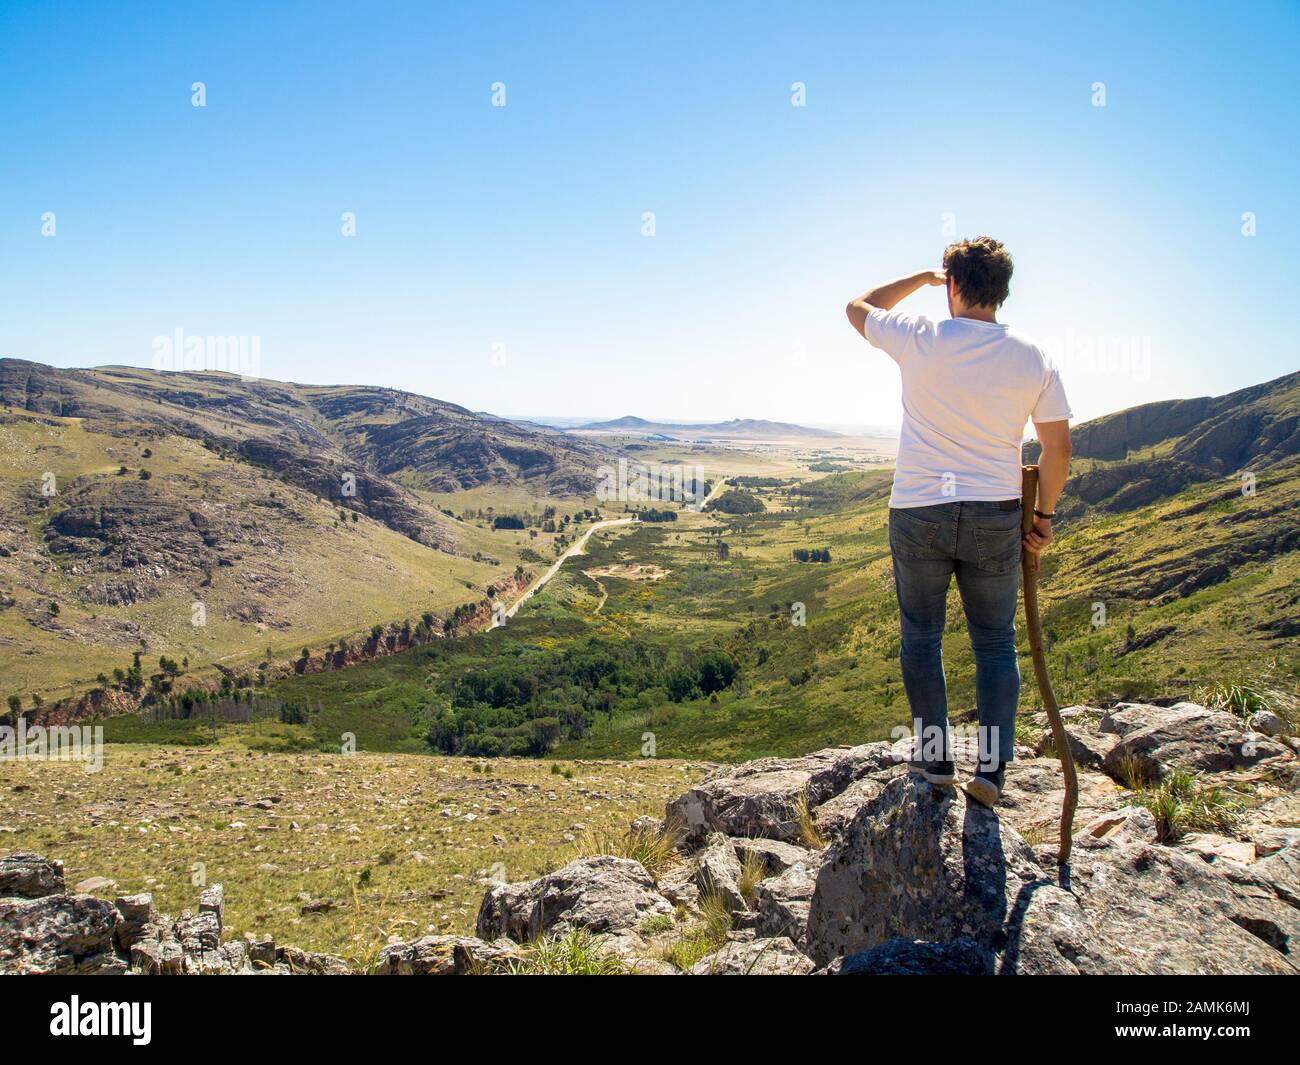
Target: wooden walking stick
point(1034, 623)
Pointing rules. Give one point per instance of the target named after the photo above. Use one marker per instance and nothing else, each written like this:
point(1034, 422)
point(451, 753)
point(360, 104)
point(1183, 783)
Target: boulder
point(59, 934)
point(762, 798)
point(759, 804)
point(1088, 747)
point(782, 903)
point(55, 932)
point(261, 952)
point(911, 957)
point(1267, 722)
point(776, 857)
point(835, 815)
point(213, 900)
point(444, 956)
point(1155, 739)
point(292, 961)
point(138, 918)
point(199, 935)
point(156, 956)
point(601, 894)
point(717, 871)
point(29, 876)
point(755, 957)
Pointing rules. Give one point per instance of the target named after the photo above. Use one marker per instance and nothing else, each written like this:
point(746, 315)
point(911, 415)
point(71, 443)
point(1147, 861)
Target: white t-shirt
point(969, 387)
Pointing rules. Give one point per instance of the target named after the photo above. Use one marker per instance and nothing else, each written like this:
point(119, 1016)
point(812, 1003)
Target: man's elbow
point(1057, 450)
point(856, 311)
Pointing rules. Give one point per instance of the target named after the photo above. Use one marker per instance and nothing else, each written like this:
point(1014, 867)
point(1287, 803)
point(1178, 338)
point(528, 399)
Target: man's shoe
point(985, 787)
point(944, 774)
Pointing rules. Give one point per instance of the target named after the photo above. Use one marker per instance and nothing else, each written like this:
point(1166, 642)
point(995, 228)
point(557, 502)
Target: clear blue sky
point(518, 230)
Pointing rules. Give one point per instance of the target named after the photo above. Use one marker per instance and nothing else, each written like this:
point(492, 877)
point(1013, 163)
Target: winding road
point(577, 549)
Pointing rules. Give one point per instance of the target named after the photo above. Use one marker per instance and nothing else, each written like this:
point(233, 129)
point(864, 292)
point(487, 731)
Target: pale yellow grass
point(387, 839)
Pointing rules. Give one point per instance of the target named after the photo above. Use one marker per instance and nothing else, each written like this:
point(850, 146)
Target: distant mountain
point(736, 429)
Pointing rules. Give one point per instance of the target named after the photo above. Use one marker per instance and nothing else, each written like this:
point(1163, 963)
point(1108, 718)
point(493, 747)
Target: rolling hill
point(293, 513)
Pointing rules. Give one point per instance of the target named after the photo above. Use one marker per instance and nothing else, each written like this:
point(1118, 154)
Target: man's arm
point(1053, 469)
point(885, 297)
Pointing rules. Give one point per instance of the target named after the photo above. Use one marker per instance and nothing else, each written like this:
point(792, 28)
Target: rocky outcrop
point(43, 929)
point(763, 798)
point(913, 878)
point(29, 876)
point(782, 902)
point(59, 934)
point(602, 894)
point(1153, 739)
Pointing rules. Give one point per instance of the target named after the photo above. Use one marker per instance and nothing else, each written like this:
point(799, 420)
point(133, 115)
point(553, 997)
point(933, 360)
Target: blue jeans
point(980, 543)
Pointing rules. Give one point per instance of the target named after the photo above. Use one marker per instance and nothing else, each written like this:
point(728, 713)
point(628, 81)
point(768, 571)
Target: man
point(969, 385)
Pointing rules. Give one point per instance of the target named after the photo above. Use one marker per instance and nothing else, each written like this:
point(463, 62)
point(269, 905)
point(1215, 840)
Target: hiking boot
point(985, 787)
point(944, 774)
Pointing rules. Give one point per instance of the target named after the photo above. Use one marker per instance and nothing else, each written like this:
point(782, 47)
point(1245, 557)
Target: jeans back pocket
point(910, 536)
point(997, 550)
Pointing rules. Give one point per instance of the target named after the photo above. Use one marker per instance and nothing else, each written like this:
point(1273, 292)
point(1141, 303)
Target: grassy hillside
point(296, 515)
point(111, 563)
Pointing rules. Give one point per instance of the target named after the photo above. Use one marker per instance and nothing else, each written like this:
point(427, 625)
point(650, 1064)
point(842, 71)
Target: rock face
point(717, 870)
point(602, 894)
point(920, 863)
point(45, 930)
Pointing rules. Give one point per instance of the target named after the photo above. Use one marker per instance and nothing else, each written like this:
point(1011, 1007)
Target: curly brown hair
point(981, 269)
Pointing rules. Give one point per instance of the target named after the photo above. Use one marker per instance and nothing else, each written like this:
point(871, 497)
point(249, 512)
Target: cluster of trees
point(657, 515)
point(524, 704)
point(549, 520)
point(815, 554)
point(737, 501)
point(233, 704)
